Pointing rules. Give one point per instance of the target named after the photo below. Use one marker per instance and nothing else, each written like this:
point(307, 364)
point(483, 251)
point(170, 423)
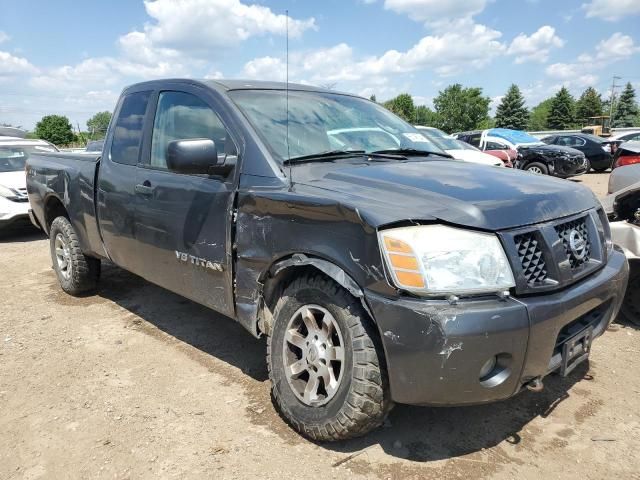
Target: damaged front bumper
point(442, 354)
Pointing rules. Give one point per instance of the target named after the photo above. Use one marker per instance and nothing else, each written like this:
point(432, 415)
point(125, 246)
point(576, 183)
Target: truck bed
point(68, 178)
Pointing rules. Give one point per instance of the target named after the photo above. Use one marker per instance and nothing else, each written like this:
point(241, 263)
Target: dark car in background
point(534, 155)
point(597, 150)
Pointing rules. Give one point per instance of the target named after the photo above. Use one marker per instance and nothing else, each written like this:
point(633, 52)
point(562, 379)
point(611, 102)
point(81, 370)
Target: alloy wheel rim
point(63, 255)
point(535, 170)
point(313, 355)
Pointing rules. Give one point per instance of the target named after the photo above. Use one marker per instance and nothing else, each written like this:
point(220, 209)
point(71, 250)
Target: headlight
point(434, 259)
point(8, 193)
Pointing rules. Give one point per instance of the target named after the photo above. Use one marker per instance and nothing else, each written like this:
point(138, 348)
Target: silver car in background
point(623, 209)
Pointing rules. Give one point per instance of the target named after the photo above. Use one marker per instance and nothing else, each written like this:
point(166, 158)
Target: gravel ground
point(135, 382)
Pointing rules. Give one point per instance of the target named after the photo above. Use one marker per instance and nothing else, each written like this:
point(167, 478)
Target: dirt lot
point(135, 382)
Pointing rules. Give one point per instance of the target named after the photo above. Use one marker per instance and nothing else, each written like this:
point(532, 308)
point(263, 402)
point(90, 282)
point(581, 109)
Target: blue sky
point(73, 58)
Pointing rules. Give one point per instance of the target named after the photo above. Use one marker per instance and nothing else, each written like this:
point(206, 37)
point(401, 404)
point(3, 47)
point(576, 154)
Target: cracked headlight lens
point(437, 260)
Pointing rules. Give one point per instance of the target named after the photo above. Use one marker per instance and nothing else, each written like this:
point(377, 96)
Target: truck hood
point(15, 180)
point(454, 192)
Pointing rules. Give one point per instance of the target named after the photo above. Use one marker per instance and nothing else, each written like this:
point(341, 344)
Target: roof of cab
point(226, 85)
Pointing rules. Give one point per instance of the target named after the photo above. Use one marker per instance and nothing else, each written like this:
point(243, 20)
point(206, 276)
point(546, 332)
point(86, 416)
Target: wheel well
point(285, 271)
point(53, 209)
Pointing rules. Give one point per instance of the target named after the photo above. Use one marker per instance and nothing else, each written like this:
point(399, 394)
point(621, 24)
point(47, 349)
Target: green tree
point(403, 106)
point(97, 125)
point(55, 129)
point(562, 111)
point(589, 104)
point(373, 98)
point(511, 113)
point(461, 108)
point(538, 116)
point(426, 117)
point(625, 113)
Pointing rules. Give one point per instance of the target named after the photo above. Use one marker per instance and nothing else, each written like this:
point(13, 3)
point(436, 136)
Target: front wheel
point(76, 272)
point(326, 366)
point(537, 168)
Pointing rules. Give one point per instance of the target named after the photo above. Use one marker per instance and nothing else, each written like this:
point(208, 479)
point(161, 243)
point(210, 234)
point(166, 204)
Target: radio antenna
point(287, 99)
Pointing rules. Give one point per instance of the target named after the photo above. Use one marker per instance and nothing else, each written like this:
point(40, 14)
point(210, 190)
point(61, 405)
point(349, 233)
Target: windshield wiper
point(325, 156)
point(410, 152)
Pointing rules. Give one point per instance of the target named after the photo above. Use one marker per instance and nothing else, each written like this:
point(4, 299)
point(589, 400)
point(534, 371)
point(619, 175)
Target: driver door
point(183, 220)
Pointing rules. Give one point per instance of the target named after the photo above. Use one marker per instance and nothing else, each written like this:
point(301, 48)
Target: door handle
point(144, 189)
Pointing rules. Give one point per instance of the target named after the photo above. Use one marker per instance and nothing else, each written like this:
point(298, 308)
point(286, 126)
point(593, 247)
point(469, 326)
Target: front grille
point(573, 230)
point(552, 255)
point(531, 259)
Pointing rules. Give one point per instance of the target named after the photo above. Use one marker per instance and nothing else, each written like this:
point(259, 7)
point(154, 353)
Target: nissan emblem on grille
point(575, 239)
point(577, 244)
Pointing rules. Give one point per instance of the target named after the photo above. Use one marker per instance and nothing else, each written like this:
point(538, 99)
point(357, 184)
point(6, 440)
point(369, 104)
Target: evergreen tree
point(589, 104)
point(373, 98)
point(626, 110)
point(562, 111)
point(511, 113)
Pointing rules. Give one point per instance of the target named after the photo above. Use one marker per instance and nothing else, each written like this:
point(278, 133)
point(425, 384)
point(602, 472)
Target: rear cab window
point(127, 135)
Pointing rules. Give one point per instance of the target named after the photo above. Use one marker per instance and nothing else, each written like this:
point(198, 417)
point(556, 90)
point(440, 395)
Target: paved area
point(135, 382)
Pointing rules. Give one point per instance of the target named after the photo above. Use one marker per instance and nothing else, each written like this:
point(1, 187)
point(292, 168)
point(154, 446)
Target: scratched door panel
point(182, 231)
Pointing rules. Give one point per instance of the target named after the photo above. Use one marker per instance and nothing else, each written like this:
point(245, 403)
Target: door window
point(183, 116)
point(496, 146)
point(125, 146)
point(571, 141)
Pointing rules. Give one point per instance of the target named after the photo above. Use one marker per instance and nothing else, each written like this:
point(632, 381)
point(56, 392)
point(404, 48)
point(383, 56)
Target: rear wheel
point(76, 272)
point(326, 366)
point(535, 167)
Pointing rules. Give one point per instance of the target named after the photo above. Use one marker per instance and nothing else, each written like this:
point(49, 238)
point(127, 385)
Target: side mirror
point(197, 155)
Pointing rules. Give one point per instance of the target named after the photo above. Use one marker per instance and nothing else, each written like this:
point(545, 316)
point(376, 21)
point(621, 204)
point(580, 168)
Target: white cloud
point(611, 10)
point(4, 37)
point(203, 27)
point(446, 54)
point(11, 65)
point(583, 72)
point(613, 49)
point(535, 47)
point(616, 47)
point(432, 11)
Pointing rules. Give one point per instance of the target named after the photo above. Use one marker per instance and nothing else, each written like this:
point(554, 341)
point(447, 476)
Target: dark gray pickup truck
point(379, 269)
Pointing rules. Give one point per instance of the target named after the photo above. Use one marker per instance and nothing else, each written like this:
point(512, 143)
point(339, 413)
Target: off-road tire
point(85, 271)
point(543, 168)
point(362, 400)
point(630, 309)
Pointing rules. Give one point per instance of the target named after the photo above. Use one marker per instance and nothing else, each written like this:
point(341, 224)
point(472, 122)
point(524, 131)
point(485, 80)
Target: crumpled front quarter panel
point(273, 224)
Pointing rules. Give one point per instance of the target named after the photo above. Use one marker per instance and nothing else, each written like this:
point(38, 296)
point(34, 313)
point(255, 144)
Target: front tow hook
point(535, 385)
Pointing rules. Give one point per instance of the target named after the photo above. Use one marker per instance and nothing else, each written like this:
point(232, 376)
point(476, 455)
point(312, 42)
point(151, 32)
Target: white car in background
point(14, 203)
point(458, 149)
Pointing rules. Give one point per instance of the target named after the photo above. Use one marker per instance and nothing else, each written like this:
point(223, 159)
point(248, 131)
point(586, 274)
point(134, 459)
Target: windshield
point(324, 122)
point(13, 158)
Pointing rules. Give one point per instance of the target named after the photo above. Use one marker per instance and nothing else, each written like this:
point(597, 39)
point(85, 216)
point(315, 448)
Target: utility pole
point(612, 98)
